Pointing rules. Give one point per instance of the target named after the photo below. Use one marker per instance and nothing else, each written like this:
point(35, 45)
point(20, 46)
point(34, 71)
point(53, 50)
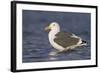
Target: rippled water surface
point(36, 46)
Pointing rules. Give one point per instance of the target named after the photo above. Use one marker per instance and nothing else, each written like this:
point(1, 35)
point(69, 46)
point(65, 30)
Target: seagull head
point(52, 26)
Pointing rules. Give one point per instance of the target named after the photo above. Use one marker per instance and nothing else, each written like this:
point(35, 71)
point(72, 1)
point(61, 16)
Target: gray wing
point(64, 39)
point(64, 34)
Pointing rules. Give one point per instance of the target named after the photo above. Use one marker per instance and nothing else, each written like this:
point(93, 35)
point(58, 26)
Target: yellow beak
point(48, 28)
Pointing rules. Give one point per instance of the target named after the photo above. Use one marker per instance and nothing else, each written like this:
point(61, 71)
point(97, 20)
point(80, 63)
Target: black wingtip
point(83, 41)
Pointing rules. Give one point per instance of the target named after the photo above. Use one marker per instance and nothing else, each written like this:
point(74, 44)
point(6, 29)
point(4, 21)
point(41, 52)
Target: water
point(36, 46)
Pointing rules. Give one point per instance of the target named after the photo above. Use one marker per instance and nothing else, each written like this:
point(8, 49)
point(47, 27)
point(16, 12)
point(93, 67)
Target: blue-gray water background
point(36, 46)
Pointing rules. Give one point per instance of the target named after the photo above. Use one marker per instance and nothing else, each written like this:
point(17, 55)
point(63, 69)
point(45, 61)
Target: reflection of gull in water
point(52, 58)
point(62, 41)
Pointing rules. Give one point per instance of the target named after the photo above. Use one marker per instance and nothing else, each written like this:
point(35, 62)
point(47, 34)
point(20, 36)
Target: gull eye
point(53, 24)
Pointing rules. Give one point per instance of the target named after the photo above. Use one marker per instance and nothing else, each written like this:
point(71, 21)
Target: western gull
point(62, 41)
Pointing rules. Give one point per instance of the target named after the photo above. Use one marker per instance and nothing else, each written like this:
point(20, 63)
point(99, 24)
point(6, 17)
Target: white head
point(54, 26)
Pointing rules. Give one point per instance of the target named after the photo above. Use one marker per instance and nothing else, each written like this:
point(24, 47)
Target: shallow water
point(37, 50)
point(36, 46)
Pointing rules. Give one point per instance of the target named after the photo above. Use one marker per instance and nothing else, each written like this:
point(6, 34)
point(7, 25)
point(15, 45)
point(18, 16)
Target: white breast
point(51, 40)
